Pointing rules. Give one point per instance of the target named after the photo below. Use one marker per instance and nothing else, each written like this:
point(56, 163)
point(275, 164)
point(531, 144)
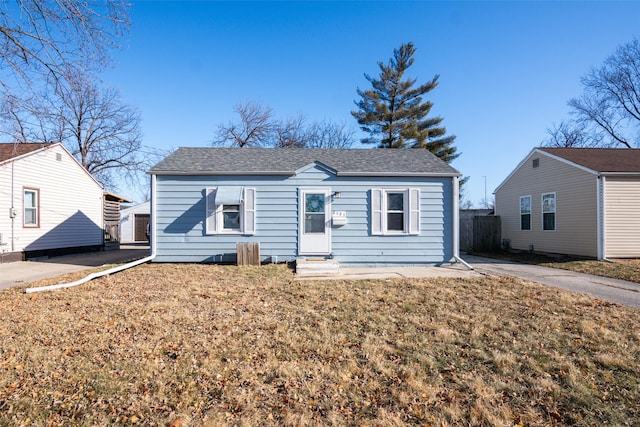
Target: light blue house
point(358, 206)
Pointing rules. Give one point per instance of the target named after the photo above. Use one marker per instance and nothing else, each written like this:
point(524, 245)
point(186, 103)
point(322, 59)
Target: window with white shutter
point(230, 210)
point(395, 211)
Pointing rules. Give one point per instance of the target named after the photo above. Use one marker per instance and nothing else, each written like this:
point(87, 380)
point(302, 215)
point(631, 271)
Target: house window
point(395, 211)
point(525, 213)
point(31, 217)
point(549, 211)
point(536, 163)
point(231, 217)
point(230, 210)
point(314, 213)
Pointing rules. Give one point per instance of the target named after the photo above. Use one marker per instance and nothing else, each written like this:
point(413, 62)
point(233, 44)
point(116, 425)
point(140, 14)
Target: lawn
point(183, 345)
point(623, 269)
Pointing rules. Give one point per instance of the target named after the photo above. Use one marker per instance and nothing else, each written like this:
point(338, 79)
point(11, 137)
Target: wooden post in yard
point(248, 253)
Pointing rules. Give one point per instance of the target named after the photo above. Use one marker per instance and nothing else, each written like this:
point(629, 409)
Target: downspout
point(114, 269)
point(456, 223)
point(601, 219)
point(599, 222)
point(13, 209)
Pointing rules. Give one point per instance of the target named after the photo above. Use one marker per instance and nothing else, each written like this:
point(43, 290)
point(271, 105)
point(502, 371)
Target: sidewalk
point(24, 272)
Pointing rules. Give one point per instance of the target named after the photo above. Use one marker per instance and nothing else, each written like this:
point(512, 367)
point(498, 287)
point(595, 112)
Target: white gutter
point(114, 269)
point(599, 216)
point(456, 223)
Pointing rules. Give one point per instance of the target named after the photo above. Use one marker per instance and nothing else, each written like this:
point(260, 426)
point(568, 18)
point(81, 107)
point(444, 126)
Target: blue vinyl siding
point(180, 218)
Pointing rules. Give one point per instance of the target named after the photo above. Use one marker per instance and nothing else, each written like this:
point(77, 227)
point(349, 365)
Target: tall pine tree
point(394, 114)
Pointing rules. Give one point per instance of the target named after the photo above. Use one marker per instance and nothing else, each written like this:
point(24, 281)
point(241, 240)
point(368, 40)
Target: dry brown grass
point(186, 345)
point(623, 269)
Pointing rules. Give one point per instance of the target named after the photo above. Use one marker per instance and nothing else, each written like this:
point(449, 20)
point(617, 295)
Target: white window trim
point(214, 214)
point(555, 210)
point(530, 213)
point(36, 192)
point(411, 205)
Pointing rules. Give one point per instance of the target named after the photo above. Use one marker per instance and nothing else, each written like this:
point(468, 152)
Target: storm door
point(314, 222)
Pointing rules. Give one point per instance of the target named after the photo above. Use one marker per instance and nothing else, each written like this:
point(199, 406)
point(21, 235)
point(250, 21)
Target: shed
point(356, 206)
point(134, 223)
point(575, 201)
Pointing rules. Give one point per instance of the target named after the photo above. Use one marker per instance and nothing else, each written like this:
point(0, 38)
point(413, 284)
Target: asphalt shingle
point(285, 161)
point(12, 150)
point(600, 159)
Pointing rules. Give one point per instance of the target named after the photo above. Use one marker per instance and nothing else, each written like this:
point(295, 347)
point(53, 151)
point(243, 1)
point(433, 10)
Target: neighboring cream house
point(49, 204)
point(134, 223)
point(577, 201)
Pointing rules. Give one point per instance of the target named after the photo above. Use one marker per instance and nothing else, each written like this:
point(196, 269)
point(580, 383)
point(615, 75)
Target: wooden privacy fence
point(479, 230)
point(486, 233)
point(248, 253)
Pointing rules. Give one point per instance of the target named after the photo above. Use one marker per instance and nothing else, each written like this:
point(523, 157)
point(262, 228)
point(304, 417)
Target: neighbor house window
point(230, 210)
point(525, 213)
point(549, 211)
point(31, 217)
point(395, 211)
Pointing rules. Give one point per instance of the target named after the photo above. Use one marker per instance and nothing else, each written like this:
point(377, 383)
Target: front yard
point(183, 345)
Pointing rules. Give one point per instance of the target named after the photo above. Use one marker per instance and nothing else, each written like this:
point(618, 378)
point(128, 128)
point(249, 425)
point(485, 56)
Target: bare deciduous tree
point(47, 37)
point(95, 125)
point(255, 128)
point(611, 99)
point(258, 127)
point(569, 134)
point(101, 131)
point(291, 133)
point(327, 134)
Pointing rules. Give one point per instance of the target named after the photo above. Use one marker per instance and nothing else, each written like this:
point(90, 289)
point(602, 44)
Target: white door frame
point(314, 243)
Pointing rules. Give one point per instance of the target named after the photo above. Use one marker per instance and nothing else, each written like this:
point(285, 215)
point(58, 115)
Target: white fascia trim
point(569, 162)
point(401, 174)
point(616, 174)
point(218, 173)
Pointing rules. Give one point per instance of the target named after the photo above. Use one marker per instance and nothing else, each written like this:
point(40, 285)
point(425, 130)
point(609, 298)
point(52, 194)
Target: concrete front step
point(316, 266)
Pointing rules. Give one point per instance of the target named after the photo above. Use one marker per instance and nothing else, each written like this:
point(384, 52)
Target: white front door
point(314, 224)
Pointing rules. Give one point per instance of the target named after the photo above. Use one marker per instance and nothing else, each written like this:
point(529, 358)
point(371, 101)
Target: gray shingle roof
point(285, 161)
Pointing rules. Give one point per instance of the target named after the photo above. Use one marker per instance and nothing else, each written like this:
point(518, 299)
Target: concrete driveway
point(24, 272)
point(619, 291)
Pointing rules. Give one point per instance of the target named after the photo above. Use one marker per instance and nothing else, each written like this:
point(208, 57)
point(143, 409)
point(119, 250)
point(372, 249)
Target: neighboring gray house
point(577, 201)
point(357, 206)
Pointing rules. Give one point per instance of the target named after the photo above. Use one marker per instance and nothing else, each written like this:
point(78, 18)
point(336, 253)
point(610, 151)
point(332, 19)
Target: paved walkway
point(24, 272)
point(614, 290)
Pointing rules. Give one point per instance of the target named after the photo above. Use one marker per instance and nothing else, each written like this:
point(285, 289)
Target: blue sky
point(507, 69)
